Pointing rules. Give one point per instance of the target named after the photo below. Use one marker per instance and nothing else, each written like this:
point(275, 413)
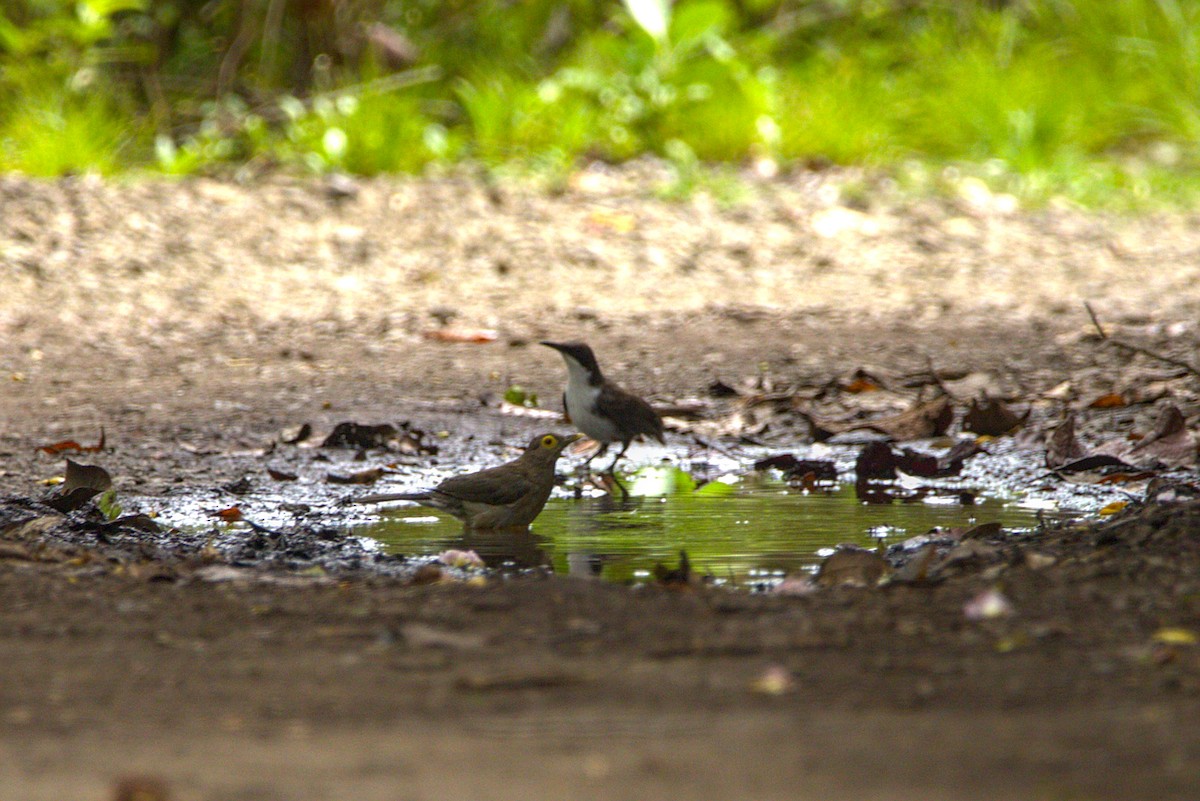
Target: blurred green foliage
point(1078, 97)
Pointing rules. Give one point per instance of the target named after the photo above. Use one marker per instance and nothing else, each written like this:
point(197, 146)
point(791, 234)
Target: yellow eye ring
point(549, 441)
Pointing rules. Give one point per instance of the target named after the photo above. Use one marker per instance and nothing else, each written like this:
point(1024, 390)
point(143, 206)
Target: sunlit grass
point(50, 131)
point(1094, 101)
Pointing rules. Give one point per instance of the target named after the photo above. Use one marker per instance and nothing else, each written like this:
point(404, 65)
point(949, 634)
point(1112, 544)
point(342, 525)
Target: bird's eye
point(549, 441)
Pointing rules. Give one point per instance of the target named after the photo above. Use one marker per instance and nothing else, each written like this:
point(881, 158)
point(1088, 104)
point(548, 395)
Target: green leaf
point(108, 505)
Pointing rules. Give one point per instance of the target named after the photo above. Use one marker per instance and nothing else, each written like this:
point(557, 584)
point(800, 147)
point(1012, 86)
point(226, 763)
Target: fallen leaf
point(621, 222)
point(917, 570)
point(1170, 442)
point(1063, 447)
point(851, 566)
point(471, 336)
point(292, 436)
point(983, 531)
point(360, 435)
point(230, 514)
point(1111, 400)
point(791, 467)
point(72, 445)
point(1112, 508)
point(861, 384)
point(281, 475)
point(991, 418)
point(368, 476)
point(925, 420)
point(82, 483)
point(1175, 636)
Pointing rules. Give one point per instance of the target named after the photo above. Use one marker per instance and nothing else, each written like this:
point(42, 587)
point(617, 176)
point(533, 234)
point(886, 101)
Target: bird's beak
point(570, 440)
point(558, 347)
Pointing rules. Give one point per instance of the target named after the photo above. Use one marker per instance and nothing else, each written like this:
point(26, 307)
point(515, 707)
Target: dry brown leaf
point(1170, 442)
point(368, 476)
point(925, 420)
point(1063, 447)
point(853, 567)
point(470, 336)
point(72, 445)
point(991, 418)
point(1111, 400)
point(230, 514)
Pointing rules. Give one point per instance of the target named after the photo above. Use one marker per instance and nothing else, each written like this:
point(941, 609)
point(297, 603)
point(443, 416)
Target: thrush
point(508, 496)
point(601, 409)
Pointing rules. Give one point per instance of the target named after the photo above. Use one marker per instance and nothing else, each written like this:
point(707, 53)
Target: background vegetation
point(1094, 100)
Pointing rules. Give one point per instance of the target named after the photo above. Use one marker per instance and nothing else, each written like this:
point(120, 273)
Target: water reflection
point(736, 534)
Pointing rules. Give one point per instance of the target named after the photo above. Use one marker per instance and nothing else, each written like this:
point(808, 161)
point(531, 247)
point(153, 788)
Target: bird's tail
point(392, 496)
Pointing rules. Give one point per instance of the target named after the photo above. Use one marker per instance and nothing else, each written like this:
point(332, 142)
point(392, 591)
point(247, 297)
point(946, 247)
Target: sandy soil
point(194, 320)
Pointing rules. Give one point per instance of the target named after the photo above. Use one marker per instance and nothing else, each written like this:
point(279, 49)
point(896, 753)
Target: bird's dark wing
point(633, 414)
point(496, 486)
point(392, 496)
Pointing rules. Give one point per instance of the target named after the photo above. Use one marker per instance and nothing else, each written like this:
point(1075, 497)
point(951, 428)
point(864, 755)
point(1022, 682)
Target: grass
point(1097, 101)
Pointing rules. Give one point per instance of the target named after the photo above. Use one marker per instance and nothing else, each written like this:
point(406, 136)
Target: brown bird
point(601, 409)
point(508, 496)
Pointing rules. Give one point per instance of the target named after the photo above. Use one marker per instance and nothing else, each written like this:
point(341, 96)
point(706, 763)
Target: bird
point(599, 407)
point(510, 495)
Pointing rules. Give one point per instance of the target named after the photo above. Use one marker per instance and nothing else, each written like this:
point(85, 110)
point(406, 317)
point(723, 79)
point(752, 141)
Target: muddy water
point(747, 532)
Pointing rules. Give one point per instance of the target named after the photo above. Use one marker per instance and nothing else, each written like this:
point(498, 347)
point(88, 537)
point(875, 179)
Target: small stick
point(1138, 348)
point(937, 379)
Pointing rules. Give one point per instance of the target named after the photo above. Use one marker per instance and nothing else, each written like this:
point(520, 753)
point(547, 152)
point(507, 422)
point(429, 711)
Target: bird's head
point(578, 356)
point(549, 446)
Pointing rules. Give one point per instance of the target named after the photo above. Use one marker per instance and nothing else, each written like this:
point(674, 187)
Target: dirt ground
point(195, 320)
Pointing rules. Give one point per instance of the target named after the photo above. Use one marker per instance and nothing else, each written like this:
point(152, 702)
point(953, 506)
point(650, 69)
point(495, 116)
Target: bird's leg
point(612, 467)
point(612, 472)
point(602, 450)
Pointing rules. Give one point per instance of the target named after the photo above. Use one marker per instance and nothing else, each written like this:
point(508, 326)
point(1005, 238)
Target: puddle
point(750, 532)
point(746, 528)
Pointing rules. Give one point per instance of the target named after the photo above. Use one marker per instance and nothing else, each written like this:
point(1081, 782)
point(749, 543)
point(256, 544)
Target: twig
point(937, 379)
point(1095, 321)
point(1138, 348)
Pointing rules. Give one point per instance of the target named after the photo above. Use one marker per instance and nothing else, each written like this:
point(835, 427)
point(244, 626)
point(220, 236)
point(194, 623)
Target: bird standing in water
point(508, 496)
point(601, 409)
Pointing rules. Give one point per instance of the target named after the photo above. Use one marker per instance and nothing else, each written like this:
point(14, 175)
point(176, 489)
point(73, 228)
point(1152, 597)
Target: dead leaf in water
point(678, 578)
point(793, 468)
